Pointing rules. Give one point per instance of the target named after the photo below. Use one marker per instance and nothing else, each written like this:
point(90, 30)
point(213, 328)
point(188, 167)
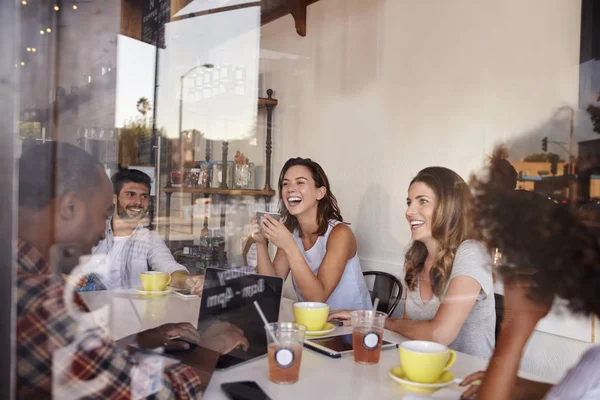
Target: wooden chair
point(387, 288)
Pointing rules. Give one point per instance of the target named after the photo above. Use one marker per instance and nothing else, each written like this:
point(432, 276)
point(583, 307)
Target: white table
point(325, 377)
point(320, 376)
point(125, 312)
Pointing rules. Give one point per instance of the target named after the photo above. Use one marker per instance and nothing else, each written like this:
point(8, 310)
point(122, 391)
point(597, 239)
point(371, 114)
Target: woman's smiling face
point(421, 204)
point(298, 190)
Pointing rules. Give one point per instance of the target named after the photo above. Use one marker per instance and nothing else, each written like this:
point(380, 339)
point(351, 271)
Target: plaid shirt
point(62, 354)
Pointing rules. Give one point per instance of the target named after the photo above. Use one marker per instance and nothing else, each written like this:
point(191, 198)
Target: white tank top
point(351, 292)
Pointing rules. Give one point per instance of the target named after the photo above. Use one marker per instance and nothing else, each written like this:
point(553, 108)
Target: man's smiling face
point(133, 201)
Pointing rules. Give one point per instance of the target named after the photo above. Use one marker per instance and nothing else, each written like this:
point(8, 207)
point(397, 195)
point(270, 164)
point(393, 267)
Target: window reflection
point(206, 100)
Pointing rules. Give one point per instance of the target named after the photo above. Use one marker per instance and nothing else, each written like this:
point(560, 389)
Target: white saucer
point(328, 328)
point(153, 293)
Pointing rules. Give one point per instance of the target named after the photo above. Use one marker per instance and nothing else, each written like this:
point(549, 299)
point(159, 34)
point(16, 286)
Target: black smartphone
point(244, 390)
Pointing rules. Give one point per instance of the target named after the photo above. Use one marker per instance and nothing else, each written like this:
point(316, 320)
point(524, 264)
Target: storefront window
point(191, 109)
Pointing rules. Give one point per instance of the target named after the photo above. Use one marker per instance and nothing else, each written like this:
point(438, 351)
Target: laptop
point(229, 296)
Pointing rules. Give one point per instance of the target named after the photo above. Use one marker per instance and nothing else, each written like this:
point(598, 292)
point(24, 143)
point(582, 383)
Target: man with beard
point(129, 247)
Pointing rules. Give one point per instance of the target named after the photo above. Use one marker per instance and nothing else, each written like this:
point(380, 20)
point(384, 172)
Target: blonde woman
point(448, 285)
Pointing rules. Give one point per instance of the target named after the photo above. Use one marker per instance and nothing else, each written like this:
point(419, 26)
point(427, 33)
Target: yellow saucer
point(397, 374)
point(141, 290)
point(328, 328)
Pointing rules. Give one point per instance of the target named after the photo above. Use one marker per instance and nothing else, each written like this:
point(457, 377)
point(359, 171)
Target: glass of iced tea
point(284, 341)
point(367, 335)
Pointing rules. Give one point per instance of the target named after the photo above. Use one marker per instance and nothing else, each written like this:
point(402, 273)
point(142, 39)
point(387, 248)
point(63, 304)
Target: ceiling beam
point(298, 10)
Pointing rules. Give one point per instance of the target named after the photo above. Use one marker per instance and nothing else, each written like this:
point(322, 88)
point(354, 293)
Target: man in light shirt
point(129, 247)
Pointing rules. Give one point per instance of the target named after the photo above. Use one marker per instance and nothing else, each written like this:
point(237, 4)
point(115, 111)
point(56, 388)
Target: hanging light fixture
point(48, 30)
point(24, 2)
point(33, 49)
point(42, 32)
point(22, 63)
point(29, 49)
point(74, 6)
point(56, 7)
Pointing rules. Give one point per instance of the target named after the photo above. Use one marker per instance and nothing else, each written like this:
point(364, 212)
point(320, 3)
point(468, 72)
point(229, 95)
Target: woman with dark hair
point(547, 254)
point(312, 241)
point(448, 279)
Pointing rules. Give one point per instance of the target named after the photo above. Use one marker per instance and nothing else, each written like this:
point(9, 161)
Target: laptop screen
point(228, 296)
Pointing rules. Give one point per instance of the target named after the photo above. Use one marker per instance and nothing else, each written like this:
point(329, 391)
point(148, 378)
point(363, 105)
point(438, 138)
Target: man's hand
point(223, 337)
point(78, 281)
point(195, 283)
point(161, 336)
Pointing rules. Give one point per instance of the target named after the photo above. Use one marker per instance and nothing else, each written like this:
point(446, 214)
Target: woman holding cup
point(312, 241)
point(449, 296)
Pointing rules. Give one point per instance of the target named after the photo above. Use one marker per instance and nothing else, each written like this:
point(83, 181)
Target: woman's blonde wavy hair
point(451, 225)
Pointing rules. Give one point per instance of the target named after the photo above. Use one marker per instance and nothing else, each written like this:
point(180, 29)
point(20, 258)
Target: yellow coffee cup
point(425, 362)
point(154, 281)
point(311, 314)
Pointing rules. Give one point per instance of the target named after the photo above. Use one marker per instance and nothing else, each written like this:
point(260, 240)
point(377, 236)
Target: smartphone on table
point(244, 390)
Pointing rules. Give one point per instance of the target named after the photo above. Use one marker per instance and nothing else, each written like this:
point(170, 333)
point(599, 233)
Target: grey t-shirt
point(476, 337)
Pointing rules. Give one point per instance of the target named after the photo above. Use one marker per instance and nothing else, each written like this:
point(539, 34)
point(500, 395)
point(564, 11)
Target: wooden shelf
point(220, 191)
point(263, 102)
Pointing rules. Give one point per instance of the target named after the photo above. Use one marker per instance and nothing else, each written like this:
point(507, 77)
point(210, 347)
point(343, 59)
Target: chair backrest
point(387, 288)
point(499, 312)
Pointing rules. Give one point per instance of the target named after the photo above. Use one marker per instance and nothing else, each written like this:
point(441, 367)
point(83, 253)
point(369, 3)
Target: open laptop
point(228, 295)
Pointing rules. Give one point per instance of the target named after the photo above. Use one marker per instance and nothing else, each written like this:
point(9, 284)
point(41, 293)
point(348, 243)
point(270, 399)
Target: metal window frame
point(9, 84)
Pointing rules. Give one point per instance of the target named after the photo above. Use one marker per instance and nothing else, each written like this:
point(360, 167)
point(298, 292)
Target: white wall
point(380, 89)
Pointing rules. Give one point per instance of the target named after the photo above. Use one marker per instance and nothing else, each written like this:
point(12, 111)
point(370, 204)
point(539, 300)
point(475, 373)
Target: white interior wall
point(380, 89)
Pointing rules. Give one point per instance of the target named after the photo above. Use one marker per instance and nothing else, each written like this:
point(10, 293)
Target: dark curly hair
point(327, 208)
point(541, 242)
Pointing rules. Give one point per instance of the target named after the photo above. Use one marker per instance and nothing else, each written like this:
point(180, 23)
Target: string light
point(48, 30)
point(56, 7)
point(74, 6)
point(42, 32)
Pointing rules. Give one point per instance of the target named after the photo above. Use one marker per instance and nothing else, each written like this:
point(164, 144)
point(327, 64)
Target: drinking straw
point(375, 304)
point(262, 316)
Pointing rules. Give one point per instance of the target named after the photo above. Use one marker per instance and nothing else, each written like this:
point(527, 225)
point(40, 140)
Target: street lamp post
point(207, 66)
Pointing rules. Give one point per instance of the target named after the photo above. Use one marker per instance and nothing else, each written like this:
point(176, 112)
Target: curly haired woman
point(547, 253)
point(448, 279)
